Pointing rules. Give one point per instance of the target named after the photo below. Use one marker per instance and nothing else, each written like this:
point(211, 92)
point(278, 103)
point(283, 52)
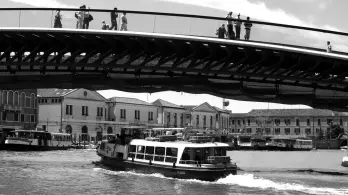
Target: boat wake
point(243, 180)
point(308, 171)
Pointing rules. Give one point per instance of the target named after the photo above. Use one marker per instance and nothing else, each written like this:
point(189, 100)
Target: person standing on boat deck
point(247, 26)
point(124, 22)
point(80, 17)
point(230, 32)
point(329, 47)
point(58, 20)
point(238, 24)
point(114, 16)
point(222, 31)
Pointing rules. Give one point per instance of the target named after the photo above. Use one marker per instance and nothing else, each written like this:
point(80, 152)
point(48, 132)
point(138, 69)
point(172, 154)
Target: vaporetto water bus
point(37, 140)
point(198, 158)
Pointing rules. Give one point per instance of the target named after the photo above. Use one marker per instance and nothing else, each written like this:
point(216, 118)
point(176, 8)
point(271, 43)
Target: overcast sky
point(326, 14)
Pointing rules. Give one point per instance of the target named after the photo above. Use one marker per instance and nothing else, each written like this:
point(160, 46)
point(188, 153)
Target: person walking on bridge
point(247, 26)
point(238, 24)
point(124, 22)
point(329, 47)
point(114, 16)
point(221, 32)
point(58, 20)
point(230, 32)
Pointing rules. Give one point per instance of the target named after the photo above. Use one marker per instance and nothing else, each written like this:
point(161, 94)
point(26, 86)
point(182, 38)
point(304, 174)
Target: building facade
point(131, 113)
point(81, 112)
point(18, 109)
point(207, 118)
point(304, 122)
point(170, 115)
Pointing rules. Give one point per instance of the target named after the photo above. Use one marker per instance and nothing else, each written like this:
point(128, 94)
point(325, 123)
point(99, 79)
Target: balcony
point(12, 108)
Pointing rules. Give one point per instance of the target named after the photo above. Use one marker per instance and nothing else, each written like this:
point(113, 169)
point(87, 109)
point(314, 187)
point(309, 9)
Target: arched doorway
point(99, 131)
point(110, 131)
point(84, 134)
point(68, 129)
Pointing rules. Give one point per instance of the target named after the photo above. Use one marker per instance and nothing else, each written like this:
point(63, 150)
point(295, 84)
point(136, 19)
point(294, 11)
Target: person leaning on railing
point(247, 26)
point(238, 24)
point(230, 32)
point(113, 16)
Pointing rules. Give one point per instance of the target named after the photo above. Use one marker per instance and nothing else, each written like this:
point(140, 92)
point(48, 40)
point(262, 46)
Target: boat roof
point(177, 144)
point(30, 131)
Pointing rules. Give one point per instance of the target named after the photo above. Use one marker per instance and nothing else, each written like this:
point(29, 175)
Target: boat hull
point(113, 163)
point(205, 174)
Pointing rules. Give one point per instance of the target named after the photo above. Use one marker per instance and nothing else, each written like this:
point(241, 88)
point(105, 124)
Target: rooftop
point(294, 112)
point(128, 101)
point(164, 103)
point(52, 92)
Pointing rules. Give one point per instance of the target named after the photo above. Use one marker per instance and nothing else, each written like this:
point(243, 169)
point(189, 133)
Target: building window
point(168, 119)
point(204, 121)
point(341, 122)
point(211, 121)
point(308, 131)
point(277, 122)
point(69, 110)
point(248, 122)
point(150, 116)
point(297, 131)
point(137, 114)
point(317, 131)
point(27, 102)
point(16, 117)
point(287, 131)
point(99, 111)
point(238, 122)
point(123, 113)
point(297, 122)
point(175, 119)
point(84, 110)
point(182, 120)
point(197, 120)
point(4, 97)
point(32, 118)
point(268, 131)
point(109, 131)
point(329, 121)
point(10, 97)
point(16, 99)
point(22, 118)
point(258, 130)
point(308, 122)
point(319, 122)
point(277, 131)
point(232, 122)
point(32, 101)
point(248, 130)
point(287, 122)
point(4, 116)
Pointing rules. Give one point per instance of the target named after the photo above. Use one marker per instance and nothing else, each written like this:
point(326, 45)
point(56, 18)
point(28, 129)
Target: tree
point(335, 130)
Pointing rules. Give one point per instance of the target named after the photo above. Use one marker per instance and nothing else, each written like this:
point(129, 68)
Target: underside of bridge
point(148, 62)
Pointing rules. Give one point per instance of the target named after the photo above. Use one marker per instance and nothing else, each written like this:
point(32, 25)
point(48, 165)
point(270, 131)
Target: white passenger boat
point(198, 158)
point(37, 140)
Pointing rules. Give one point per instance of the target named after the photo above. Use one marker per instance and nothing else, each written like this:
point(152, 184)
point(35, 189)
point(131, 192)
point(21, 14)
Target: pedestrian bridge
point(154, 60)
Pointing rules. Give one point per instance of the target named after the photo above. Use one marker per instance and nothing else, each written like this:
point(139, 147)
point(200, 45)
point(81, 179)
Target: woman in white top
point(124, 22)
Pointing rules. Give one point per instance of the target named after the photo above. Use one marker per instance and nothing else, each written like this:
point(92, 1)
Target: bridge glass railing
point(190, 26)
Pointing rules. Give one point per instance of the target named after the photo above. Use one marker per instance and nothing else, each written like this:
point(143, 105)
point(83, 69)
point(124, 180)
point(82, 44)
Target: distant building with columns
point(305, 122)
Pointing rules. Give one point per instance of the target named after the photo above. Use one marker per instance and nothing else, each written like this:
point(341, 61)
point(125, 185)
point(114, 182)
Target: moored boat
point(198, 158)
point(27, 140)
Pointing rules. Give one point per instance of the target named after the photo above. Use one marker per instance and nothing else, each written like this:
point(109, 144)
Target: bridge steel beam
point(149, 62)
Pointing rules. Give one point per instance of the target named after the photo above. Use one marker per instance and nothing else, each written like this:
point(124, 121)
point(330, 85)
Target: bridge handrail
point(180, 15)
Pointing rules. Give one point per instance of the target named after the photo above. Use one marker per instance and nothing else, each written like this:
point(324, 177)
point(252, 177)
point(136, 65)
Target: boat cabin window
point(150, 150)
point(220, 151)
point(171, 154)
point(186, 154)
point(132, 149)
point(140, 152)
point(159, 154)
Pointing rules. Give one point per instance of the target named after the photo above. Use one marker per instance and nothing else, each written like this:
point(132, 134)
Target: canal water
point(263, 172)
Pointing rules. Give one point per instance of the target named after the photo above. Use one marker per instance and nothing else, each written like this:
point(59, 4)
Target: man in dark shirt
point(222, 31)
point(114, 16)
